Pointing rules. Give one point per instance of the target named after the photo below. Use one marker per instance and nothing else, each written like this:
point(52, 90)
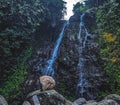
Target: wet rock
point(75, 17)
point(114, 97)
point(90, 18)
point(79, 101)
point(3, 101)
point(91, 11)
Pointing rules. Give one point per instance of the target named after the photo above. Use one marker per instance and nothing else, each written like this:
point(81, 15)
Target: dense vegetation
point(19, 20)
point(109, 40)
point(82, 7)
point(14, 81)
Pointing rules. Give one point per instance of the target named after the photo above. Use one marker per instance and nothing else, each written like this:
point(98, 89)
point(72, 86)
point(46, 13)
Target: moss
point(11, 88)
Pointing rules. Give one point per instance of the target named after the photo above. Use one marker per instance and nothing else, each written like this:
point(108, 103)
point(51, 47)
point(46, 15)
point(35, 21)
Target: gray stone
point(50, 97)
point(107, 102)
point(94, 103)
point(34, 93)
point(68, 102)
point(91, 102)
point(35, 100)
point(79, 101)
point(26, 103)
point(3, 101)
point(114, 97)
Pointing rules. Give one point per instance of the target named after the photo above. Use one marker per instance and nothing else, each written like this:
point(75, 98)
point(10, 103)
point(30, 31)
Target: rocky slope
point(51, 97)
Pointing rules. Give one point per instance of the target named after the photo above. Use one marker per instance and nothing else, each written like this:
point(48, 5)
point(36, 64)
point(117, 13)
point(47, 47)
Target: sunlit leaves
point(109, 37)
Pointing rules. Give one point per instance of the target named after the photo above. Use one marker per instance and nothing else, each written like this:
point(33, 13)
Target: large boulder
point(49, 97)
point(3, 101)
point(114, 97)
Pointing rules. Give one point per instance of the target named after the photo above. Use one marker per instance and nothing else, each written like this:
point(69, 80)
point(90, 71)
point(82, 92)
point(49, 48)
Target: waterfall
point(48, 70)
point(82, 44)
point(81, 24)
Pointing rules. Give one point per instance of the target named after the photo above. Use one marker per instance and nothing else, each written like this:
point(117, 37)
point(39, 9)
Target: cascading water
point(48, 70)
point(82, 37)
point(81, 25)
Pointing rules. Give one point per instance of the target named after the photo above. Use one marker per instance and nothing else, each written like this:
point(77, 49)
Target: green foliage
point(79, 7)
point(109, 40)
point(11, 46)
point(55, 9)
point(109, 10)
point(11, 88)
point(94, 3)
point(21, 16)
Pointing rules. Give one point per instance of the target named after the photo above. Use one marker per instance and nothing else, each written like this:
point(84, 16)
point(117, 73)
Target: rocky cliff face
point(68, 70)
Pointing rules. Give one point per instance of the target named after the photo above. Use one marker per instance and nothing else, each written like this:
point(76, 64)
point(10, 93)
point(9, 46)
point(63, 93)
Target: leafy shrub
point(108, 21)
point(11, 88)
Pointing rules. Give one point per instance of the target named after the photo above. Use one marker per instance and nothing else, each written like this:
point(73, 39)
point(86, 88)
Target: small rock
point(91, 102)
point(114, 97)
point(79, 101)
point(3, 101)
point(26, 103)
point(35, 100)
